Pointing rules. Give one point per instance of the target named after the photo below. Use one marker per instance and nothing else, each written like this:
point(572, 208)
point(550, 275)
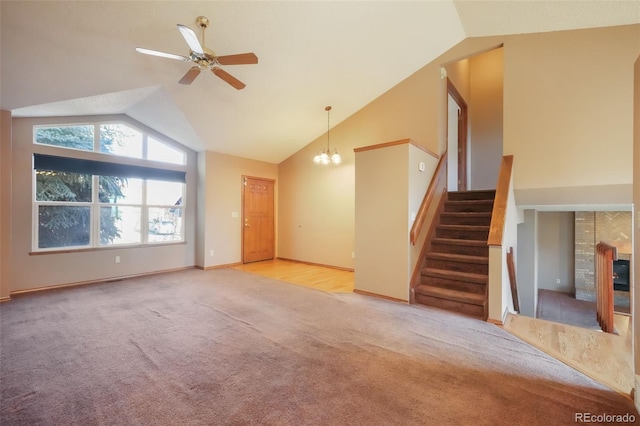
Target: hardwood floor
point(314, 276)
point(606, 358)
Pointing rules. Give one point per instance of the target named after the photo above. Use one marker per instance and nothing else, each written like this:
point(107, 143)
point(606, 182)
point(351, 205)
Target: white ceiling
point(77, 58)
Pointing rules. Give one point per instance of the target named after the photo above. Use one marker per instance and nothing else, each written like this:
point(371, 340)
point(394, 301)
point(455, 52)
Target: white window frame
point(96, 140)
point(95, 204)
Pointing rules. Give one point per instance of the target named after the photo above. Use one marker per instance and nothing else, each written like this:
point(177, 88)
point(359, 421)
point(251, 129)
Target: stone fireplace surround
point(613, 228)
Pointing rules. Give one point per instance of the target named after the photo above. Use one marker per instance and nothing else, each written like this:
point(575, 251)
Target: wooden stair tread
point(470, 201)
point(462, 258)
point(464, 227)
point(462, 214)
point(474, 191)
point(454, 271)
point(448, 294)
point(460, 242)
point(455, 275)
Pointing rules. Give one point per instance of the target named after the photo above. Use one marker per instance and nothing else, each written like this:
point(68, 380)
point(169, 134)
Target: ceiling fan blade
point(228, 78)
point(190, 75)
point(191, 39)
point(161, 54)
point(239, 59)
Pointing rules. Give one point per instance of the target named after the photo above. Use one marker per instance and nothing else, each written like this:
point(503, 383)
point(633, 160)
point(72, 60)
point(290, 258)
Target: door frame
point(463, 182)
point(243, 183)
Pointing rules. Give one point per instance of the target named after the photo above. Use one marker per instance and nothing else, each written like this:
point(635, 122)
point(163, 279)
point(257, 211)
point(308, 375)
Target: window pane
point(165, 224)
point(63, 226)
point(117, 190)
point(62, 186)
point(120, 139)
point(164, 193)
point(119, 225)
point(77, 137)
point(158, 151)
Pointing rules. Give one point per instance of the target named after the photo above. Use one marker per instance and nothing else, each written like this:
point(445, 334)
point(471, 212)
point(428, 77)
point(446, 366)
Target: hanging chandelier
point(327, 155)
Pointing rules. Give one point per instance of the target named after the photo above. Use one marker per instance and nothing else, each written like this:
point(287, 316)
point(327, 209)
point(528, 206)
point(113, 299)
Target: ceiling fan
point(203, 58)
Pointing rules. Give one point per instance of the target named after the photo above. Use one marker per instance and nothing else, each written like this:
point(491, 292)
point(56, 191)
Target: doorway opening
point(457, 124)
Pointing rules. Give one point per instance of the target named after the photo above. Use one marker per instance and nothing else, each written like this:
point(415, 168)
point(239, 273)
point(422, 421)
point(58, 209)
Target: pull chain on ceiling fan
point(204, 58)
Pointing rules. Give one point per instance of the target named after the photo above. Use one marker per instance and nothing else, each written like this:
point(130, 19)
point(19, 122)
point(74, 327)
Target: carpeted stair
point(454, 273)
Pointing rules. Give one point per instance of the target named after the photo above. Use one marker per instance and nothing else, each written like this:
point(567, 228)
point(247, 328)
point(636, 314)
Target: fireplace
point(614, 228)
point(621, 275)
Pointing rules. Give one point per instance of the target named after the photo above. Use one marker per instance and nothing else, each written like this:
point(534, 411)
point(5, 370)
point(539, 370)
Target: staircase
point(454, 272)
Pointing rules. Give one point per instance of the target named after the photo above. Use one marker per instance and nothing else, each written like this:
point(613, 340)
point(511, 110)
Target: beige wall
point(485, 118)
point(636, 226)
point(316, 219)
point(527, 264)
point(51, 269)
point(320, 197)
point(382, 214)
point(5, 204)
point(458, 72)
point(316, 206)
point(556, 251)
point(418, 185)
point(568, 107)
point(220, 205)
point(201, 209)
point(389, 190)
point(479, 80)
point(567, 95)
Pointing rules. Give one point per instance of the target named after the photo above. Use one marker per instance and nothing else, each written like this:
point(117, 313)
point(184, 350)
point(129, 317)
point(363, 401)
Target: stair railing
point(421, 216)
point(605, 256)
point(502, 234)
point(499, 213)
point(512, 280)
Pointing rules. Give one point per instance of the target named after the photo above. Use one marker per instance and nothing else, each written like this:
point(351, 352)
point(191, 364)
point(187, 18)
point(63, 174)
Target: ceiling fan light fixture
point(205, 58)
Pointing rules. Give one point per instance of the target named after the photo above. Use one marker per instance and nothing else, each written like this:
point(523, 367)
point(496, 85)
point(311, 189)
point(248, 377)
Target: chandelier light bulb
point(324, 158)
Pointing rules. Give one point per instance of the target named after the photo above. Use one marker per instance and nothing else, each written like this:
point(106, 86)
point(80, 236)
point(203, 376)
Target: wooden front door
point(258, 230)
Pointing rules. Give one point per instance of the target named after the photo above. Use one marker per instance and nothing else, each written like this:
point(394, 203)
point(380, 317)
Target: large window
point(81, 203)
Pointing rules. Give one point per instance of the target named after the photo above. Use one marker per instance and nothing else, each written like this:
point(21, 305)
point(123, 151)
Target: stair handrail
point(499, 212)
point(421, 216)
point(605, 256)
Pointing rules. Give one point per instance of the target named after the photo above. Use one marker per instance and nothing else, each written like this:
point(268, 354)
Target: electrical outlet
point(211, 253)
point(353, 255)
point(117, 259)
point(557, 280)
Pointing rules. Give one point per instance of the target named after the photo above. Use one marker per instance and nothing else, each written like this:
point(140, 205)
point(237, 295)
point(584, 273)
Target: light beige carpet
point(225, 347)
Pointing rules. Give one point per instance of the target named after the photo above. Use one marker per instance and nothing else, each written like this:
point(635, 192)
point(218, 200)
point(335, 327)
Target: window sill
point(121, 247)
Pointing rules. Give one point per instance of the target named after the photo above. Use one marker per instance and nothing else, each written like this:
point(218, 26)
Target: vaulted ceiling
point(61, 58)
